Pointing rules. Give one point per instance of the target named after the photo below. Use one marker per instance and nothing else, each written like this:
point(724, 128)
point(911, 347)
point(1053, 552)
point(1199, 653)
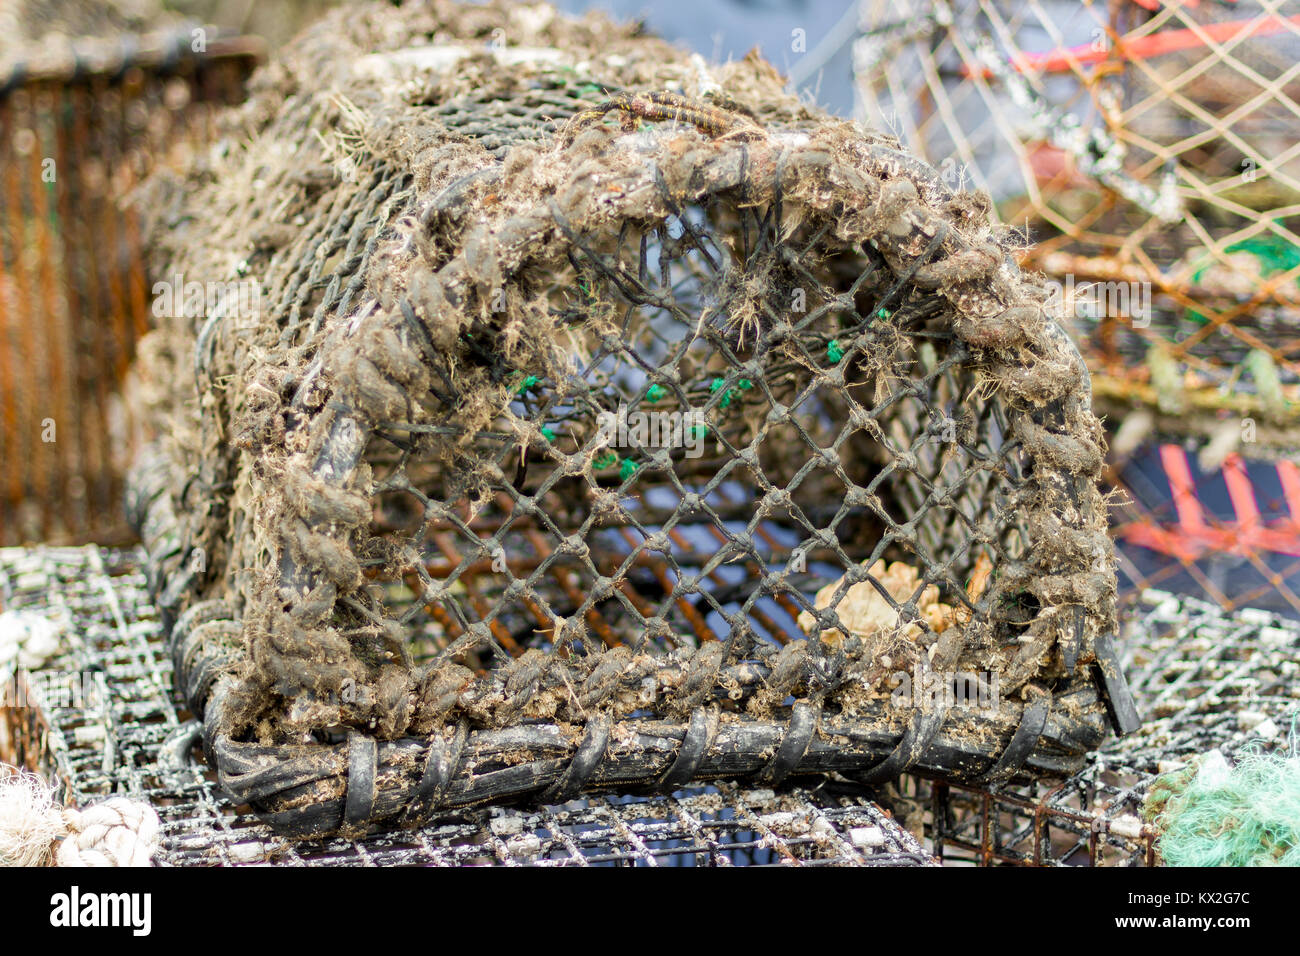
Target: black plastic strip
point(590, 752)
point(695, 744)
point(1032, 721)
point(1123, 712)
point(803, 724)
point(925, 726)
point(363, 769)
point(439, 769)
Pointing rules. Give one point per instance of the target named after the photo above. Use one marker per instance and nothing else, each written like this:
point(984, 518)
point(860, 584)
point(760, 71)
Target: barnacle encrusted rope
point(391, 523)
point(34, 830)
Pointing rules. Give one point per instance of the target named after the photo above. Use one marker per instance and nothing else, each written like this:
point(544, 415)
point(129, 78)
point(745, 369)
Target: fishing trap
point(1205, 680)
point(1148, 152)
point(589, 417)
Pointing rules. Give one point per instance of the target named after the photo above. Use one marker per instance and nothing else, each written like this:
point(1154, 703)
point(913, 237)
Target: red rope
point(1064, 59)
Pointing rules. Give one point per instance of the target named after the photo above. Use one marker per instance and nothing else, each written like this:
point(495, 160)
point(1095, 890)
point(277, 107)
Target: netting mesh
point(607, 421)
point(1179, 275)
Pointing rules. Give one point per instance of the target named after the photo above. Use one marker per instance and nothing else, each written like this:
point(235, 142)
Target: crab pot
point(606, 421)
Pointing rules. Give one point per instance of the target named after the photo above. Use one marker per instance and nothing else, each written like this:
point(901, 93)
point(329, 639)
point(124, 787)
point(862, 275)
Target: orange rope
point(1062, 60)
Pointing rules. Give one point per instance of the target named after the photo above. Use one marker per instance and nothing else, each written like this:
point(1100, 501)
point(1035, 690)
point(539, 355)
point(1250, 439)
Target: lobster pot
point(606, 420)
point(1147, 152)
point(81, 125)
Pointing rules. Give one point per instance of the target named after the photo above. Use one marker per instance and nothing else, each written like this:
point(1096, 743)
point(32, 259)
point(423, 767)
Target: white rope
point(28, 827)
point(116, 832)
point(27, 640)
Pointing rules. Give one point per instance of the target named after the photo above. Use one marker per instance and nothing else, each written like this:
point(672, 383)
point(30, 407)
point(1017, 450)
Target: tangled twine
point(117, 832)
point(1244, 813)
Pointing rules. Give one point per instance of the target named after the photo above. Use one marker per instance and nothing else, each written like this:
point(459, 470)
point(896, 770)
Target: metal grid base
point(1203, 678)
point(102, 719)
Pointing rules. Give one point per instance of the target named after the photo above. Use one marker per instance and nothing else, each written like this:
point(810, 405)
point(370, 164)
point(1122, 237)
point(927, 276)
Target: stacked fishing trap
point(1148, 150)
point(597, 419)
point(1209, 683)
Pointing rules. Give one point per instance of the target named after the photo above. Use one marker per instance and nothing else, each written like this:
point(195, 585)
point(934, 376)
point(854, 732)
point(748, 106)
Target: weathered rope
point(34, 830)
point(27, 640)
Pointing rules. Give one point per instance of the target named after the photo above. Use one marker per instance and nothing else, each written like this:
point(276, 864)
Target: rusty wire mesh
point(82, 124)
point(102, 718)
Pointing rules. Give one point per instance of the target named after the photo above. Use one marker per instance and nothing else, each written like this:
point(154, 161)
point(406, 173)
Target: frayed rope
point(27, 640)
point(1243, 814)
point(116, 832)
